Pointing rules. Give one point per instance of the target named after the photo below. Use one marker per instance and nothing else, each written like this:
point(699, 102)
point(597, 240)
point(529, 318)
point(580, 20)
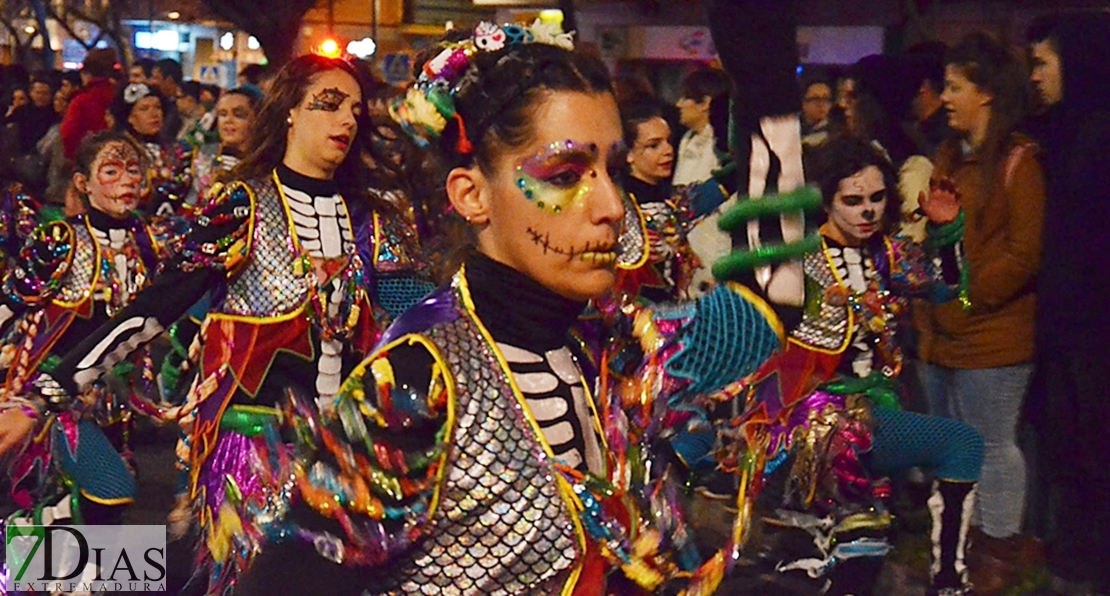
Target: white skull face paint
point(857, 209)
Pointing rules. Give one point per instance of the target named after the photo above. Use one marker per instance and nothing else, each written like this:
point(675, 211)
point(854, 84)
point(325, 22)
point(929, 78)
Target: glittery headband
point(429, 104)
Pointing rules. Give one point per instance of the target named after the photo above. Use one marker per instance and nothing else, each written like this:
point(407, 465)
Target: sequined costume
point(284, 261)
point(169, 174)
point(100, 265)
point(831, 397)
point(668, 213)
point(205, 163)
point(459, 472)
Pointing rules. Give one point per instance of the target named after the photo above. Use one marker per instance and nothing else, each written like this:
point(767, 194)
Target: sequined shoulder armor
point(392, 420)
point(220, 235)
point(36, 271)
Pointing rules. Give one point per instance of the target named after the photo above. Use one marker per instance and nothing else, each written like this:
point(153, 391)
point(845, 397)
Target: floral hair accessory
point(134, 92)
point(429, 104)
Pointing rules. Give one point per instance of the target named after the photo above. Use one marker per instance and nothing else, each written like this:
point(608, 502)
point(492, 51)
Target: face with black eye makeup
point(856, 211)
point(234, 118)
point(322, 128)
point(552, 208)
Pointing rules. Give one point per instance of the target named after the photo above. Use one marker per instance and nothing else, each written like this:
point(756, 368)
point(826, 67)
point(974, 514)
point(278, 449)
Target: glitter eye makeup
point(559, 175)
point(328, 100)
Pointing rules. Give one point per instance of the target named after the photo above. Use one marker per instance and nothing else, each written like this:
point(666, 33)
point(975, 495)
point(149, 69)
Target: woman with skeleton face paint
point(489, 444)
point(73, 276)
point(842, 364)
point(281, 250)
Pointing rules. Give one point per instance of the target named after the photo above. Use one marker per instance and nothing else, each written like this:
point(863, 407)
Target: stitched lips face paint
point(601, 253)
point(570, 162)
point(562, 174)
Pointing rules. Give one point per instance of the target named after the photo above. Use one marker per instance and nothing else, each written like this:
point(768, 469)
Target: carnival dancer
point(71, 277)
point(278, 247)
point(495, 443)
point(139, 111)
point(831, 396)
point(647, 182)
point(235, 115)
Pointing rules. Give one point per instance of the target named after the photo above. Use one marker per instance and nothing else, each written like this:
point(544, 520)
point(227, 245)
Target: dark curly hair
point(845, 157)
point(501, 89)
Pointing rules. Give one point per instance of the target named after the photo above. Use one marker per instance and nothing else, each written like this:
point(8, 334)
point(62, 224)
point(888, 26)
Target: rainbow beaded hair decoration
point(429, 104)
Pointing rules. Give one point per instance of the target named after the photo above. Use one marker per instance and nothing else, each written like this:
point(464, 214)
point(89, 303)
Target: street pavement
point(904, 573)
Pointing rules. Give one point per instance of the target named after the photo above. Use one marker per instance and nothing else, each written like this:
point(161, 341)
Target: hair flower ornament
point(134, 92)
point(418, 115)
point(429, 104)
point(552, 35)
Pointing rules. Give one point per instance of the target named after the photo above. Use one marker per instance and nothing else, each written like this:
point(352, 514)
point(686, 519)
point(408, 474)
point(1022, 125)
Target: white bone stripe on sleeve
point(102, 359)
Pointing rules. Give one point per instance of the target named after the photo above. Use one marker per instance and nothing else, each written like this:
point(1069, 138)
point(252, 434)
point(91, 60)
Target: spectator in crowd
point(192, 111)
point(69, 82)
point(58, 172)
point(817, 102)
point(17, 100)
point(60, 103)
point(88, 106)
point(35, 118)
point(257, 75)
point(978, 351)
point(1071, 73)
point(140, 71)
point(208, 96)
point(25, 127)
point(166, 77)
point(880, 96)
point(930, 127)
point(703, 110)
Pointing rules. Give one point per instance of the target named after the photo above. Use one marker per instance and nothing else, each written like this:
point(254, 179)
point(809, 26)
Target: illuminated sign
point(164, 40)
point(362, 48)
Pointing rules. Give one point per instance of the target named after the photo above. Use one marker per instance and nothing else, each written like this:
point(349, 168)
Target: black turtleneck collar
point(103, 221)
point(517, 310)
point(154, 139)
point(645, 192)
point(313, 187)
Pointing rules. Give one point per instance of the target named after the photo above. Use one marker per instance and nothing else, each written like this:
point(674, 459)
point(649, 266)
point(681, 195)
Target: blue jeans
point(990, 401)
